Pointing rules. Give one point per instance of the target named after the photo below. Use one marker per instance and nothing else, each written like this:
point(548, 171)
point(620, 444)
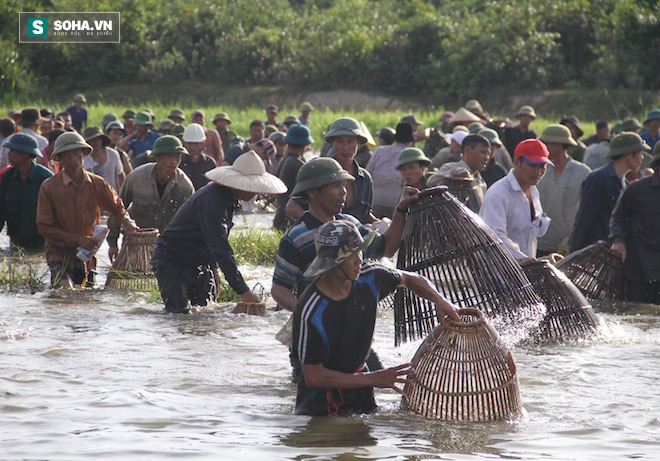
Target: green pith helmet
point(109, 117)
point(526, 110)
point(335, 242)
point(142, 118)
point(630, 124)
point(177, 113)
point(70, 141)
point(92, 132)
point(475, 127)
point(319, 172)
point(626, 142)
point(345, 126)
point(411, 119)
point(292, 119)
point(492, 136)
point(166, 125)
point(222, 116)
point(129, 114)
point(168, 144)
point(177, 130)
point(559, 134)
point(412, 154)
point(306, 106)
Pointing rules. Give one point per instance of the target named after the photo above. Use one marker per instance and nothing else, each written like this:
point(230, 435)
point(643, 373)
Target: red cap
point(533, 151)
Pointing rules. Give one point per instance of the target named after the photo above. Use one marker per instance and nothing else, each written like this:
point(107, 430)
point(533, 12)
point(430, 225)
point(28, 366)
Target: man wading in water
point(334, 320)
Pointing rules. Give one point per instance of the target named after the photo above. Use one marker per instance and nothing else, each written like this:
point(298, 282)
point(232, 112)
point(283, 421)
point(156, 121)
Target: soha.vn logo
point(38, 27)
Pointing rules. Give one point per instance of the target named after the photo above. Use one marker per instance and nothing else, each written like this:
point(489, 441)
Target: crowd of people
point(541, 194)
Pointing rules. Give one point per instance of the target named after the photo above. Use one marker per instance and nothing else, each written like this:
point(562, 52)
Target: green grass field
point(321, 119)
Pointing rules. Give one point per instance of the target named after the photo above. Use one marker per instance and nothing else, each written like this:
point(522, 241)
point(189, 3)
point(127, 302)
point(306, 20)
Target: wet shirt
point(66, 211)
point(507, 211)
point(297, 251)
point(18, 206)
point(147, 207)
point(636, 222)
point(199, 234)
point(338, 335)
point(600, 191)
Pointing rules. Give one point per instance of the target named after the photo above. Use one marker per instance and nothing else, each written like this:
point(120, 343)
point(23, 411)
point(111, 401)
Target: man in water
point(334, 320)
point(196, 241)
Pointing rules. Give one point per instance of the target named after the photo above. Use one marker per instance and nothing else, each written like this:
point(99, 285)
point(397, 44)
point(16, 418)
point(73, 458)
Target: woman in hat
point(104, 160)
point(334, 319)
point(196, 241)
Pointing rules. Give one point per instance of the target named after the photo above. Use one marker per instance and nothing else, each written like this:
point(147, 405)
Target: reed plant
point(20, 274)
point(255, 246)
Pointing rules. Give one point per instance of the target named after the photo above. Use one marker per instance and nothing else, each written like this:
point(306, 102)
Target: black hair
point(474, 140)
point(258, 123)
point(7, 126)
point(601, 124)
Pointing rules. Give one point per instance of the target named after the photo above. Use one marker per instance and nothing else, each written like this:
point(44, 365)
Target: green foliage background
point(438, 48)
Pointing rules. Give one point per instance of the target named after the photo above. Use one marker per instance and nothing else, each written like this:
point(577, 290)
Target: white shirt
point(388, 182)
point(506, 210)
point(108, 170)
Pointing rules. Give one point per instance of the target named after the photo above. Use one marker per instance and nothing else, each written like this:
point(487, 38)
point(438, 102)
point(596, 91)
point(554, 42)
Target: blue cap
point(298, 135)
point(23, 143)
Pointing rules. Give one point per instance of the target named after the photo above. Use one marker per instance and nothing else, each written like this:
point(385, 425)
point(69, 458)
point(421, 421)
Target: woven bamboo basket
point(464, 372)
point(569, 316)
point(132, 267)
point(452, 246)
point(597, 272)
point(466, 190)
point(253, 308)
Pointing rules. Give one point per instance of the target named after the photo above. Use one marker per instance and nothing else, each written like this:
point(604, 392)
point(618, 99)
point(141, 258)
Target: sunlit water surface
point(102, 374)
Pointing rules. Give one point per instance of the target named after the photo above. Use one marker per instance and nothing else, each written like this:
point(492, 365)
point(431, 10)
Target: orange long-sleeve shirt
point(66, 211)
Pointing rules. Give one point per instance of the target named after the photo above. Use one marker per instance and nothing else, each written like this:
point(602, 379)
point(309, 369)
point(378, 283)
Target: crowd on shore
point(541, 194)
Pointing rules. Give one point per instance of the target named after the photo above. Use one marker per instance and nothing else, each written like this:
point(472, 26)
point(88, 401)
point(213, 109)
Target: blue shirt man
point(19, 192)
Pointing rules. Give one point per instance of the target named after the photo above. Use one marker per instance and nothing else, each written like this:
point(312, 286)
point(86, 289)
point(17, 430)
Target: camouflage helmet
point(335, 242)
point(345, 126)
point(319, 172)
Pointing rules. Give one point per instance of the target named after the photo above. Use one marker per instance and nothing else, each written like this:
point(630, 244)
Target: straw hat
point(367, 134)
point(463, 115)
point(248, 173)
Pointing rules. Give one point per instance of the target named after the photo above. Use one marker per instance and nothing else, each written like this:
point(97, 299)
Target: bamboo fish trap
point(597, 272)
point(466, 190)
point(132, 268)
point(450, 245)
point(464, 372)
point(569, 315)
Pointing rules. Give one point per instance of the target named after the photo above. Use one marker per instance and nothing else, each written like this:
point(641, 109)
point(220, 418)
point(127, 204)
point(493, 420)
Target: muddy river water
point(103, 374)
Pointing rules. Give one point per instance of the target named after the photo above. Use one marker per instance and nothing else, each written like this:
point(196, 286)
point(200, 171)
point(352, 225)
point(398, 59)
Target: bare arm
point(423, 287)
point(393, 233)
point(283, 296)
point(320, 376)
point(293, 210)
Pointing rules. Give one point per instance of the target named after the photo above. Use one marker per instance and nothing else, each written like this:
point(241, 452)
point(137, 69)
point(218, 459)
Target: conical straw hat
point(248, 173)
point(464, 116)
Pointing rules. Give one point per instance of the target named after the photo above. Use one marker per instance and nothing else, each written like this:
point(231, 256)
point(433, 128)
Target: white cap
point(194, 133)
point(459, 136)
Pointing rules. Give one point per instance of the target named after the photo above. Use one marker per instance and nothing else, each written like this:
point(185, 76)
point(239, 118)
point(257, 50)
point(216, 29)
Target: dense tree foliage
point(443, 48)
